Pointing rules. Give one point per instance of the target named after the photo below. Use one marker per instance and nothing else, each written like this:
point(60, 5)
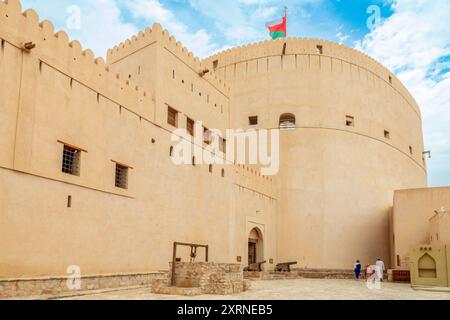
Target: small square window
point(350, 121)
point(215, 64)
point(253, 121)
point(387, 134)
point(319, 49)
point(172, 117)
point(121, 176)
point(190, 126)
point(71, 161)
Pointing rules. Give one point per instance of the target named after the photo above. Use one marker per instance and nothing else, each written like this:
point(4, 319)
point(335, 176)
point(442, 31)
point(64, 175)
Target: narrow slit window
point(121, 176)
point(223, 145)
point(69, 202)
point(210, 168)
point(71, 161)
point(390, 79)
point(223, 173)
point(411, 150)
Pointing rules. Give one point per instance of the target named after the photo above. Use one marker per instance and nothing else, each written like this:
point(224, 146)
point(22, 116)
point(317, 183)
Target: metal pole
point(174, 258)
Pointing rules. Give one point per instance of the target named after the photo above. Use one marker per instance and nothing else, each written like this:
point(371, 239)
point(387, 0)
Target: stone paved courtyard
point(302, 289)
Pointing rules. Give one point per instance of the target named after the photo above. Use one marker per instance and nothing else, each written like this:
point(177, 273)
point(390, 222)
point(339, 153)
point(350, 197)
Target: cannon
point(285, 266)
point(256, 267)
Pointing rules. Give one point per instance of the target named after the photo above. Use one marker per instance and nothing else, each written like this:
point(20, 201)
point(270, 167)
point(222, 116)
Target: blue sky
point(412, 39)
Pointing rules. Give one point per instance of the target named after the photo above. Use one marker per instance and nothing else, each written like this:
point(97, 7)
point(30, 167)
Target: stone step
point(179, 291)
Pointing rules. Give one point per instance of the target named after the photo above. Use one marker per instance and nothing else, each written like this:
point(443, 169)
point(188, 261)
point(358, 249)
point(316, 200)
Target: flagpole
point(285, 36)
point(285, 15)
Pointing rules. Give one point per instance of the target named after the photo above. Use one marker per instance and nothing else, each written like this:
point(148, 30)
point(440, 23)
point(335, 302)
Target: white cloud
point(413, 42)
point(154, 11)
point(98, 31)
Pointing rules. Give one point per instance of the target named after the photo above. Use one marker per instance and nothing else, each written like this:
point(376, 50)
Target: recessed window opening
point(223, 173)
point(253, 120)
point(350, 121)
point(206, 135)
point(319, 49)
point(411, 150)
point(121, 176)
point(210, 168)
point(71, 161)
point(190, 126)
point(390, 79)
point(215, 64)
point(173, 74)
point(172, 116)
point(387, 134)
point(69, 201)
point(287, 121)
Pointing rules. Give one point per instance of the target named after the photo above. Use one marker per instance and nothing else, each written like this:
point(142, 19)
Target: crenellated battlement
point(157, 34)
point(133, 44)
point(308, 46)
point(68, 57)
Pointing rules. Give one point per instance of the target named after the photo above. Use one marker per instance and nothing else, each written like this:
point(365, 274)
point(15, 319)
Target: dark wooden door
point(251, 253)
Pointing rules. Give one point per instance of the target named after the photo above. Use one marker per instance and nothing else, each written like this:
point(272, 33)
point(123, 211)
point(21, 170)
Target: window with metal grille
point(172, 116)
point(71, 161)
point(190, 126)
point(121, 176)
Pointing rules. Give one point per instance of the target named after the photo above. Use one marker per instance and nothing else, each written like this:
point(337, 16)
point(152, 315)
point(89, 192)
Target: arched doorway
point(255, 246)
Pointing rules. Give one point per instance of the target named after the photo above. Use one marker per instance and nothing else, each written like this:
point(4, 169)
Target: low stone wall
point(303, 274)
point(205, 278)
point(17, 288)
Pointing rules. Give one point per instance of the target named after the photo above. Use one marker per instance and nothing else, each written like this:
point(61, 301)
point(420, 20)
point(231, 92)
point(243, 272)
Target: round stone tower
point(354, 136)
